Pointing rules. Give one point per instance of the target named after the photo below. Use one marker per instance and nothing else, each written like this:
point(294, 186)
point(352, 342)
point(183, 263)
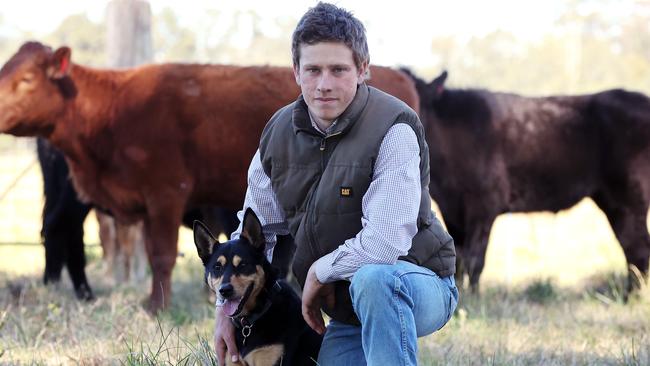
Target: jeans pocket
point(404, 267)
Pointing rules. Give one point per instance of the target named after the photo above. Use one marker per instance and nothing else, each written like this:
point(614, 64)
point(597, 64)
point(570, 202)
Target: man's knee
point(372, 281)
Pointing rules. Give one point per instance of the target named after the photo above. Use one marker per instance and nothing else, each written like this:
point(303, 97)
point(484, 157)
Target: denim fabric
point(396, 304)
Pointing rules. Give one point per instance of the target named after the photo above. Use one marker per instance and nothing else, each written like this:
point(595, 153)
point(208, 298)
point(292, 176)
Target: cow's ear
point(59, 65)
point(252, 230)
point(438, 84)
point(204, 240)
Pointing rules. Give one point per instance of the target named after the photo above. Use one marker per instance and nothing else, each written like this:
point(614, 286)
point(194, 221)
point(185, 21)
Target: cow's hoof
point(49, 279)
point(84, 293)
point(153, 307)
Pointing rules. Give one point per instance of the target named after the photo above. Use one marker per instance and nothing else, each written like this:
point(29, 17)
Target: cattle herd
point(157, 142)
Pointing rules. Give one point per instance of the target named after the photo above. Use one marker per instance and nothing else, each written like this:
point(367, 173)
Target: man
point(345, 171)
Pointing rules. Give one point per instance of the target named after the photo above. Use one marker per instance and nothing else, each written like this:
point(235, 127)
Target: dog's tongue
point(230, 307)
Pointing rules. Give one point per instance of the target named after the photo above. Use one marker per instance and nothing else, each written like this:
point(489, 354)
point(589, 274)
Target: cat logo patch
point(346, 191)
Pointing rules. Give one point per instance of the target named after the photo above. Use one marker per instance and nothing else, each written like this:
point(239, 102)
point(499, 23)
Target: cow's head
point(34, 84)
point(437, 86)
point(429, 93)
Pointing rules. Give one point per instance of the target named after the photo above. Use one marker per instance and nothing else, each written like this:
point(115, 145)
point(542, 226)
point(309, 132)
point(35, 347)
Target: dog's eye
point(217, 267)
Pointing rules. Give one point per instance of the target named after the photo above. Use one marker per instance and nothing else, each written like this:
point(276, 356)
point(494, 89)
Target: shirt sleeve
point(390, 209)
point(261, 198)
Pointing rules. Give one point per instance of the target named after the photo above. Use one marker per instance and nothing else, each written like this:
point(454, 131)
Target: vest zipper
point(310, 232)
point(323, 146)
point(324, 139)
point(312, 203)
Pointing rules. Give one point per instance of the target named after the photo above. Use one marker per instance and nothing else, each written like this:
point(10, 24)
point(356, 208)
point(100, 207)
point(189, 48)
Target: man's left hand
point(313, 295)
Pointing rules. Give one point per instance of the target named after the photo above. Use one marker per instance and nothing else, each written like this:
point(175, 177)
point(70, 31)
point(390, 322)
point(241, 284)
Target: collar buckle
point(246, 332)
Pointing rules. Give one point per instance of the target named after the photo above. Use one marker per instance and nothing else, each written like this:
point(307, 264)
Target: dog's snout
point(226, 290)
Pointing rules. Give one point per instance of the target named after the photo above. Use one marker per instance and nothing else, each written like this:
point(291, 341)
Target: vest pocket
point(342, 188)
point(292, 186)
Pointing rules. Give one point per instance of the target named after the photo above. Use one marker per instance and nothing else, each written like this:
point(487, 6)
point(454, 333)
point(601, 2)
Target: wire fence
point(547, 243)
point(21, 195)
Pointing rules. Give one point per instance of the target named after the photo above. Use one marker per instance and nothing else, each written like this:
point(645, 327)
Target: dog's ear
point(252, 230)
point(204, 241)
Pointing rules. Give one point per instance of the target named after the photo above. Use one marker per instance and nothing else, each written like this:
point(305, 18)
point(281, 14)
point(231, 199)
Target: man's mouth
point(325, 100)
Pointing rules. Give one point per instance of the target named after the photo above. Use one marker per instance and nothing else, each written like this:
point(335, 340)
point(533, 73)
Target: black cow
point(495, 152)
point(63, 217)
point(64, 214)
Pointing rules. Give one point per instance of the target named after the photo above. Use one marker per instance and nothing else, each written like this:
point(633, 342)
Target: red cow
point(151, 142)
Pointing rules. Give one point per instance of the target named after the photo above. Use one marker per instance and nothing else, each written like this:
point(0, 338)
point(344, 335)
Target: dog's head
point(236, 269)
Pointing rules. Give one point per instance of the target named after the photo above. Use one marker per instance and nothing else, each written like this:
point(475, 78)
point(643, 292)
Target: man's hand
point(224, 338)
point(313, 295)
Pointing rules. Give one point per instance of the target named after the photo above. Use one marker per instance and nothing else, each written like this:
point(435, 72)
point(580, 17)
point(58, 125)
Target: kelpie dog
point(266, 312)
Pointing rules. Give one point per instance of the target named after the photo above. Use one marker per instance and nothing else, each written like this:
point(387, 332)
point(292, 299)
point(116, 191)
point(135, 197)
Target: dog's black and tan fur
point(266, 312)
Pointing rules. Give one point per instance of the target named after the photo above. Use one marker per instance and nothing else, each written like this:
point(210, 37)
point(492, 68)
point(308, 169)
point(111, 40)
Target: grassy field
point(536, 307)
point(534, 324)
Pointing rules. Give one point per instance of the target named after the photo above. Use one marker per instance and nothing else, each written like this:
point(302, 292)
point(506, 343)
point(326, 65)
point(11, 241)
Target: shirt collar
point(315, 125)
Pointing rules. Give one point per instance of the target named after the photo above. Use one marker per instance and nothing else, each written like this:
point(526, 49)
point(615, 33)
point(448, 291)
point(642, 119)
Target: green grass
point(46, 325)
point(522, 325)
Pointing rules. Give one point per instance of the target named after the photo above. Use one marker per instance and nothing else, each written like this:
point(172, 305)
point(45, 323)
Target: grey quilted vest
point(320, 181)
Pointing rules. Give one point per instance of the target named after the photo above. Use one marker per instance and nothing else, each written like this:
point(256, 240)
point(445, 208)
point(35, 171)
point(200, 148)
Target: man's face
point(328, 79)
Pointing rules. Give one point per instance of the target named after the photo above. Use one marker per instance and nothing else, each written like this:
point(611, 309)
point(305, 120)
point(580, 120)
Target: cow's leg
point(71, 223)
point(76, 263)
point(458, 234)
point(123, 252)
point(478, 233)
point(137, 257)
point(52, 240)
point(161, 237)
point(108, 241)
point(54, 229)
point(55, 252)
point(627, 213)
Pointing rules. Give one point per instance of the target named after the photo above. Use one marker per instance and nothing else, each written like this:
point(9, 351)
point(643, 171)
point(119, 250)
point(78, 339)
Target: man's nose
point(325, 82)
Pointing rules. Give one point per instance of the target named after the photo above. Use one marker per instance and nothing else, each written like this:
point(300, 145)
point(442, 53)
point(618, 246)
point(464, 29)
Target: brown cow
point(150, 142)
point(495, 152)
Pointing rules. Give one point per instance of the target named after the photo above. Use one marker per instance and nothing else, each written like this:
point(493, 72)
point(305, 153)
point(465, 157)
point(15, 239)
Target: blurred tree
point(128, 24)
point(3, 39)
point(589, 50)
point(86, 38)
point(171, 41)
point(249, 39)
point(613, 47)
point(10, 41)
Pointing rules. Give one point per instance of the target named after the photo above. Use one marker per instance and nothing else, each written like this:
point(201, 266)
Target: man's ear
point(204, 241)
point(59, 65)
point(363, 72)
point(252, 230)
point(296, 73)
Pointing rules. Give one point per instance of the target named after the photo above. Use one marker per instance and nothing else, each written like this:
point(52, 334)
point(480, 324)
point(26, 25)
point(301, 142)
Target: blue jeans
point(396, 304)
